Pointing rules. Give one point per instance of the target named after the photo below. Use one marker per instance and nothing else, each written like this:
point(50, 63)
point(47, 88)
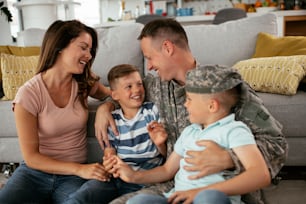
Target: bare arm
point(104, 119)
point(26, 125)
point(255, 176)
point(159, 136)
point(155, 175)
point(100, 92)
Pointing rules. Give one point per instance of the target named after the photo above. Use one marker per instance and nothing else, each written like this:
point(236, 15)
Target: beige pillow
point(281, 74)
point(15, 71)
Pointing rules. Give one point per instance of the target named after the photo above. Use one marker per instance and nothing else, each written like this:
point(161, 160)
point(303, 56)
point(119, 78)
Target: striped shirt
point(134, 145)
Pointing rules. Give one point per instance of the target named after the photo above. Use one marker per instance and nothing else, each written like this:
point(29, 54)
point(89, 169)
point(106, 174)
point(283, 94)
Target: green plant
point(4, 10)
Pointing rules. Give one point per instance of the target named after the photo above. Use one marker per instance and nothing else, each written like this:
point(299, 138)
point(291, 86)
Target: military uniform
point(170, 97)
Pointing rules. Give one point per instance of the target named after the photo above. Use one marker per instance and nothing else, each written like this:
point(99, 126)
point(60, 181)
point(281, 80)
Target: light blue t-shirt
point(226, 132)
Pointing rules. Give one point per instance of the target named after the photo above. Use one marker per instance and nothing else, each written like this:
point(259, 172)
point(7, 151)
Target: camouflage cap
point(211, 79)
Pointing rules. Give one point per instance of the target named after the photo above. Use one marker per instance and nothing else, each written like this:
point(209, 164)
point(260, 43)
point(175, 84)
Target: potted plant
point(5, 11)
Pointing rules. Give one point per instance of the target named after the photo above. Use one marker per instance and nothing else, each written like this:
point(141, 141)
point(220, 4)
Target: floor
point(291, 188)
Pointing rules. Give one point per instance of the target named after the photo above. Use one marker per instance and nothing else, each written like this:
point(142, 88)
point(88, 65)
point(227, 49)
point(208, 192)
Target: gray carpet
point(290, 190)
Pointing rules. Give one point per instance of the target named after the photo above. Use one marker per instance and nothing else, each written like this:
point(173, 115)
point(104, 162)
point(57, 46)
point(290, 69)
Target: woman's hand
point(93, 171)
point(104, 119)
point(212, 159)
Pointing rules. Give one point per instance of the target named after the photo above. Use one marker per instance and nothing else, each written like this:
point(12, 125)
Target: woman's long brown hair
point(57, 37)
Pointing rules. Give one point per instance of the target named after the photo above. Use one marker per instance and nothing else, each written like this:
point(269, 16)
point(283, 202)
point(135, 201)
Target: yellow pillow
point(280, 74)
point(19, 51)
point(15, 71)
point(268, 45)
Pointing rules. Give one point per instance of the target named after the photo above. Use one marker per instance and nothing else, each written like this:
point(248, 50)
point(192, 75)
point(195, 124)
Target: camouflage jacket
point(170, 98)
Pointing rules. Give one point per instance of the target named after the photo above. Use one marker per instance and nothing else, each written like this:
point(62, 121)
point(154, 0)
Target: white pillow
point(118, 45)
point(229, 42)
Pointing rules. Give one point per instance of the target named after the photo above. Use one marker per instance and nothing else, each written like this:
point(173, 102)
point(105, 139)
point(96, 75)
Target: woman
point(51, 115)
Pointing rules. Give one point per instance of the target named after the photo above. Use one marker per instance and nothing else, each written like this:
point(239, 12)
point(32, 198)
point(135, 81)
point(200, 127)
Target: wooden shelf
point(295, 25)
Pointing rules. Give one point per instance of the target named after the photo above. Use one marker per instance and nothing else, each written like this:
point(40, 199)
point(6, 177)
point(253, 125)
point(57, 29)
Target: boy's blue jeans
point(94, 191)
point(206, 196)
point(32, 186)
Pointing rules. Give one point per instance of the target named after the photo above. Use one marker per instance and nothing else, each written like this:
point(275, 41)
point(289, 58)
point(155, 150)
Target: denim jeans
point(204, 197)
point(94, 191)
point(32, 186)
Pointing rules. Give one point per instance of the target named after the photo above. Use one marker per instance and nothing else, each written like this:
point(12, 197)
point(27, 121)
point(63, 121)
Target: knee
point(211, 197)
point(137, 199)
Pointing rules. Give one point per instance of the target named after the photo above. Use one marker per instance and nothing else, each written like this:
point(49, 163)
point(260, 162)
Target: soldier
point(165, 46)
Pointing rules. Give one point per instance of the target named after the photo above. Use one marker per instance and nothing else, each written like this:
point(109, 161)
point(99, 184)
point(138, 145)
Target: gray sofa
point(224, 44)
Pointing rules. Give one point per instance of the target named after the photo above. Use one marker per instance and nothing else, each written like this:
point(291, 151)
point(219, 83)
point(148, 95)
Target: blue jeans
point(32, 186)
point(94, 191)
point(204, 197)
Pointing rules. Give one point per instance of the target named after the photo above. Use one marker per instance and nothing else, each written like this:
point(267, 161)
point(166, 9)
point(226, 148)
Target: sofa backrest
point(229, 42)
point(118, 45)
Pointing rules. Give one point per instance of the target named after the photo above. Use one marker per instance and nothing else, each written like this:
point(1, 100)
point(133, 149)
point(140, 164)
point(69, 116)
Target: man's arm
point(266, 129)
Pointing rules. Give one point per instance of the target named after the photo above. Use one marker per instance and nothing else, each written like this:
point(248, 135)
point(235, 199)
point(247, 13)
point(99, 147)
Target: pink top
point(61, 131)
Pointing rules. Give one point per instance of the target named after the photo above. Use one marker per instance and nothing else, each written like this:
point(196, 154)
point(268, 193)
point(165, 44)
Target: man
point(165, 46)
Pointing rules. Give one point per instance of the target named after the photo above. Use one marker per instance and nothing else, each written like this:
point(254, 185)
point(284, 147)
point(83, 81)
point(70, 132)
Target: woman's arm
point(27, 130)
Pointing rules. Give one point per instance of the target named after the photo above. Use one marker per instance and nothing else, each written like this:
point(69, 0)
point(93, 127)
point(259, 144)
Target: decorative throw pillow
point(19, 51)
point(268, 45)
point(15, 71)
point(280, 74)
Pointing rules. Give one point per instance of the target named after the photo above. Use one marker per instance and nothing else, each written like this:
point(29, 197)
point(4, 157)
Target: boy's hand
point(108, 162)
point(157, 133)
point(124, 171)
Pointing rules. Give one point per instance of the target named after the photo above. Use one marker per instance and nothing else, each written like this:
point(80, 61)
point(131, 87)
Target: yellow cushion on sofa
point(15, 71)
point(19, 51)
point(268, 45)
point(281, 74)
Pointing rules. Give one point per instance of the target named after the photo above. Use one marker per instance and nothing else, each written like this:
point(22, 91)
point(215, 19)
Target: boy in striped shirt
point(135, 119)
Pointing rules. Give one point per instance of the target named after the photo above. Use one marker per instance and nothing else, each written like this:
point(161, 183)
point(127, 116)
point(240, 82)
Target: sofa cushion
point(15, 71)
point(229, 42)
point(19, 51)
point(269, 45)
point(118, 45)
point(280, 74)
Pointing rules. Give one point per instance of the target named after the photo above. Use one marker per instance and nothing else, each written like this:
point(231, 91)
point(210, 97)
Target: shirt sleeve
point(28, 97)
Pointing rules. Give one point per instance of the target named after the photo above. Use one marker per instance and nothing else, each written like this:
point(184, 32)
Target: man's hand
point(212, 159)
point(104, 119)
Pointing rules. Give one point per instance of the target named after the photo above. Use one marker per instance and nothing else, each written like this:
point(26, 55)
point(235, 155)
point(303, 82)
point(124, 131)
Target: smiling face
point(158, 58)
point(198, 107)
point(77, 54)
point(129, 92)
